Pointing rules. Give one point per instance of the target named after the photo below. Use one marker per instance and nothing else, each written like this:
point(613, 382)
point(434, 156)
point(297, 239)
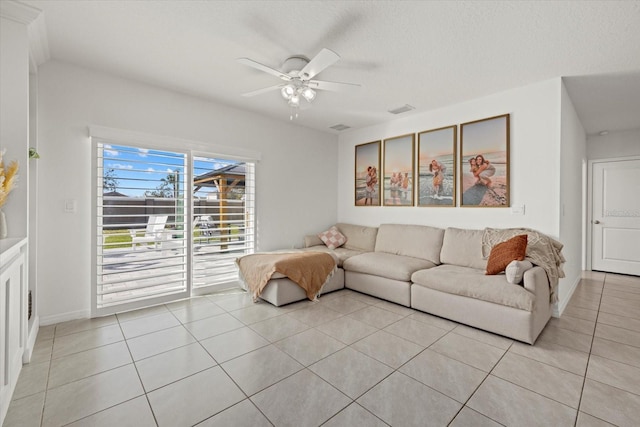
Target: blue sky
point(140, 169)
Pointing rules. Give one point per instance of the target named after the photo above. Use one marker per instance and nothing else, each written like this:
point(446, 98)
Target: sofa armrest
point(312, 240)
point(535, 281)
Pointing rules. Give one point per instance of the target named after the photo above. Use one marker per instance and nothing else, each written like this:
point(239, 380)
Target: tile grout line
point(307, 367)
point(548, 364)
point(394, 370)
point(229, 376)
point(464, 404)
point(146, 395)
point(584, 380)
point(619, 343)
point(46, 387)
point(621, 327)
point(480, 385)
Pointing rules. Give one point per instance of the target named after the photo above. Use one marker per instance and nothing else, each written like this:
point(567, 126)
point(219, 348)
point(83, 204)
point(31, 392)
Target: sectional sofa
point(438, 271)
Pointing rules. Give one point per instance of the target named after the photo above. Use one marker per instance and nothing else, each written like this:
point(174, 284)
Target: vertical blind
point(168, 222)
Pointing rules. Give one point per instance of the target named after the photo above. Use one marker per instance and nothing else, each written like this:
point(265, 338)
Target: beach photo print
point(398, 171)
point(367, 174)
point(484, 162)
point(437, 167)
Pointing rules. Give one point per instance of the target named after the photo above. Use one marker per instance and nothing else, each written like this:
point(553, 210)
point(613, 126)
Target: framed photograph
point(484, 163)
point(367, 175)
point(437, 167)
point(398, 171)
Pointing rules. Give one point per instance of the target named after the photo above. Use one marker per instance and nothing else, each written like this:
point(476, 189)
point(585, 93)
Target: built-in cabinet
point(13, 316)
point(23, 47)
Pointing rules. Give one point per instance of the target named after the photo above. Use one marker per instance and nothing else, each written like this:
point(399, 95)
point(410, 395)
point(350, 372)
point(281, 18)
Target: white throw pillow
point(333, 238)
point(515, 270)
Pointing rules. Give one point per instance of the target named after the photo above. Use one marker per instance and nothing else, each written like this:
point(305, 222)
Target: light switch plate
point(70, 206)
point(517, 209)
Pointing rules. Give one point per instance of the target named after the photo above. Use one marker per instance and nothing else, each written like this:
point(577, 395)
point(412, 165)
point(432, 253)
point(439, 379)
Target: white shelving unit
point(23, 47)
point(13, 316)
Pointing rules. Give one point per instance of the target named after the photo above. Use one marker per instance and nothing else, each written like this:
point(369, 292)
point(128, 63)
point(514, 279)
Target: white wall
point(297, 171)
point(14, 118)
point(615, 144)
point(535, 167)
point(573, 156)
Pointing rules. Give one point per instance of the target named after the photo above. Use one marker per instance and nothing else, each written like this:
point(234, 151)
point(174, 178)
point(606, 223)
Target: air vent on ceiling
point(403, 109)
point(340, 127)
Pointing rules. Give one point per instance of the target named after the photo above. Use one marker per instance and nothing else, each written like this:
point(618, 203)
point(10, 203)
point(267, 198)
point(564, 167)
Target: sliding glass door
point(142, 250)
point(167, 223)
point(223, 207)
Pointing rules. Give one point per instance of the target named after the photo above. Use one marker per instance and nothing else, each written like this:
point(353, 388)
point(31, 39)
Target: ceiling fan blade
point(264, 68)
point(332, 86)
point(319, 62)
point(261, 91)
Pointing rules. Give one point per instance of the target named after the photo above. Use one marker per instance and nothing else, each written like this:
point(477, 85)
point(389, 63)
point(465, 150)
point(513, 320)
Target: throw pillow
point(503, 253)
point(515, 270)
point(333, 238)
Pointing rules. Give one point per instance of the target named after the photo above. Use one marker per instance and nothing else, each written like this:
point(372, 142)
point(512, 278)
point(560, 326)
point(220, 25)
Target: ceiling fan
point(298, 73)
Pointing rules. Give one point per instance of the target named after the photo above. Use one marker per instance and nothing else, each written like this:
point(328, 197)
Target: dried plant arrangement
point(8, 177)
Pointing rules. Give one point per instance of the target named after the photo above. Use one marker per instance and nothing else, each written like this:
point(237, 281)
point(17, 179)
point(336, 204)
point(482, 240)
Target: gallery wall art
point(484, 162)
point(398, 171)
point(440, 171)
point(437, 167)
point(367, 174)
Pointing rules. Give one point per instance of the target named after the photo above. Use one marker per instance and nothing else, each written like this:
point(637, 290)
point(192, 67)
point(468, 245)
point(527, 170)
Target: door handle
point(596, 222)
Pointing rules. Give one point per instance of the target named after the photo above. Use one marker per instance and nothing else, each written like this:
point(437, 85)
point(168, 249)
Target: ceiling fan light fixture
point(308, 94)
point(298, 72)
point(287, 91)
point(294, 101)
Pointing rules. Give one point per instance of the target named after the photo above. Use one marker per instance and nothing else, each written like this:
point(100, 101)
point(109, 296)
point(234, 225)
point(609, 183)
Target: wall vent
point(403, 109)
point(340, 127)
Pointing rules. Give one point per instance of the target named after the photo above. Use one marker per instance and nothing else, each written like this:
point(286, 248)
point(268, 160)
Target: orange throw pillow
point(503, 253)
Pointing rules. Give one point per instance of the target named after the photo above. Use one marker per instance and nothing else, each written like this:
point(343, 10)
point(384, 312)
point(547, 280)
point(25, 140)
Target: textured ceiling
point(427, 54)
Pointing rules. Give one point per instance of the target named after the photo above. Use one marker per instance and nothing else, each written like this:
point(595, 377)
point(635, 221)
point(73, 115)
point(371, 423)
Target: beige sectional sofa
point(434, 270)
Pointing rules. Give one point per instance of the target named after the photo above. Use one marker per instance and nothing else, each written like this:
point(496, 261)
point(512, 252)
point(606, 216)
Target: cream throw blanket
point(542, 250)
point(310, 270)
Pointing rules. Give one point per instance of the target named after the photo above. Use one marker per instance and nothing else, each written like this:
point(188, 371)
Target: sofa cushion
point(473, 283)
point(332, 237)
point(339, 254)
point(359, 237)
point(463, 247)
point(382, 264)
point(417, 241)
point(312, 240)
point(503, 253)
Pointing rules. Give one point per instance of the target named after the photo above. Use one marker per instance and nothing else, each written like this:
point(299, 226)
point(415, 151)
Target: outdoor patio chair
point(205, 224)
point(154, 232)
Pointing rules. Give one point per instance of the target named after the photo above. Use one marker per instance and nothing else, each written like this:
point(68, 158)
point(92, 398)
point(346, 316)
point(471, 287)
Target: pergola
point(224, 180)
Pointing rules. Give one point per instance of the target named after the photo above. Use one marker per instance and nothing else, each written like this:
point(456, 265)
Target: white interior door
point(615, 218)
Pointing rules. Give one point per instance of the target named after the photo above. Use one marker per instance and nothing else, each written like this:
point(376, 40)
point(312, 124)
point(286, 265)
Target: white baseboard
point(63, 317)
point(559, 307)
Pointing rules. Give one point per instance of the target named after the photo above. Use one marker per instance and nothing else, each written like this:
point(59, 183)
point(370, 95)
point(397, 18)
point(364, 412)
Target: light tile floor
point(346, 360)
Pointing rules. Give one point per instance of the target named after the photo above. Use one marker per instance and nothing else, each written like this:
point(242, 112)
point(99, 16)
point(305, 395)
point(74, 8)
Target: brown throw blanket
point(310, 270)
point(542, 250)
